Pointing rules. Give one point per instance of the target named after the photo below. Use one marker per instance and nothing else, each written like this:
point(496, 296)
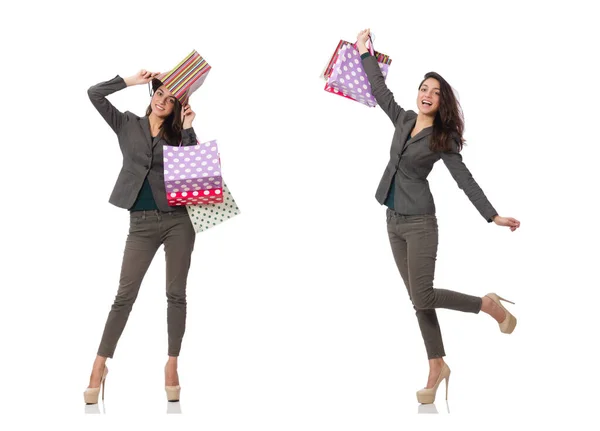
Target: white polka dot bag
point(345, 75)
point(205, 216)
point(193, 174)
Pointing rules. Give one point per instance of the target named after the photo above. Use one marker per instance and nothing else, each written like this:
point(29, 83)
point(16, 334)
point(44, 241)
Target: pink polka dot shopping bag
point(193, 179)
point(345, 76)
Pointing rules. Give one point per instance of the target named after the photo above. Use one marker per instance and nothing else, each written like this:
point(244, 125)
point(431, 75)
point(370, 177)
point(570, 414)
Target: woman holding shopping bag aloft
point(420, 140)
point(140, 188)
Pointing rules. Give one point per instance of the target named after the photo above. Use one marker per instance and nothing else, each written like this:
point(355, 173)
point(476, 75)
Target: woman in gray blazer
point(420, 140)
point(140, 188)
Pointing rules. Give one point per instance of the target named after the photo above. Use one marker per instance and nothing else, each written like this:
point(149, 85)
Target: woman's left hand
point(187, 116)
point(513, 223)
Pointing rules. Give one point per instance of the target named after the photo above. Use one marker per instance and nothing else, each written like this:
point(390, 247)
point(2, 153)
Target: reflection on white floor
point(427, 408)
point(431, 408)
point(95, 409)
point(174, 408)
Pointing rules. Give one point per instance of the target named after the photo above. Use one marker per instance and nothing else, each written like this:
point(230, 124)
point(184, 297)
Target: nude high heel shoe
point(173, 393)
point(90, 395)
point(510, 321)
point(427, 396)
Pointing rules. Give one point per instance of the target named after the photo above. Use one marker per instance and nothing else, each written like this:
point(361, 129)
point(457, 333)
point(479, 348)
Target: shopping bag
point(185, 78)
point(193, 174)
point(205, 216)
point(346, 77)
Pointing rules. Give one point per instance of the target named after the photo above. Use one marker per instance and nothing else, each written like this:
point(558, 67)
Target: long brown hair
point(170, 129)
point(449, 120)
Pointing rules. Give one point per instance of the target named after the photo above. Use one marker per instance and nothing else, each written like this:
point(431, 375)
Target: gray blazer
point(142, 155)
point(412, 162)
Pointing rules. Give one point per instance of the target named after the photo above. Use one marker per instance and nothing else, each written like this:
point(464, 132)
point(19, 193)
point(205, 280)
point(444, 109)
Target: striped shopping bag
point(185, 78)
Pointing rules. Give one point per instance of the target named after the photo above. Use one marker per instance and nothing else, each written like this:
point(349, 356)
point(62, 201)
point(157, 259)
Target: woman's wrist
point(130, 80)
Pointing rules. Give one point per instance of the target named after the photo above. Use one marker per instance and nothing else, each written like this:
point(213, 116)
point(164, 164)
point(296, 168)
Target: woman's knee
point(424, 300)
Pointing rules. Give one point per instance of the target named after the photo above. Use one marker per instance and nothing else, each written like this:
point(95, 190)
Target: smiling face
point(428, 99)
point(163, 102)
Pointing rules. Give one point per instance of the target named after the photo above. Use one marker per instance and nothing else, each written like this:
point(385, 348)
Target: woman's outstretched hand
point(510, 222)
point(142, 77)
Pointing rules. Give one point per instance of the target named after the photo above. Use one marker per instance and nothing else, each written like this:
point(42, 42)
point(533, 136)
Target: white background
point(297, 316)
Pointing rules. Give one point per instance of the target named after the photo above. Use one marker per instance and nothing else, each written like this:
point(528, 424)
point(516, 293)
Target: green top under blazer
point(142, 156)
point(411, 160)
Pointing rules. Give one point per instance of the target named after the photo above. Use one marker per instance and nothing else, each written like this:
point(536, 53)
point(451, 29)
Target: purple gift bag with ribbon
point(346, 76)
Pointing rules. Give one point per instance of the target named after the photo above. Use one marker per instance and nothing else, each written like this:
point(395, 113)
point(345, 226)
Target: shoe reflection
point(431, 408)
point(427, 408)
point(94, 409)
point(174, 408)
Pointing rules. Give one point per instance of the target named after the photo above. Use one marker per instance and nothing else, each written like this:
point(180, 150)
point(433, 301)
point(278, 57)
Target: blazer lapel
point(408, 128)
point(146, 128)
point(422, 134)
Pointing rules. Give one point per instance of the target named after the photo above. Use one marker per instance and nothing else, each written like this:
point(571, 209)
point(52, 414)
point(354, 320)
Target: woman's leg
point(142, 242)
point(427, 318)
point(421, 234)
point(97, 371)
point(422, 237)
point(178, 238)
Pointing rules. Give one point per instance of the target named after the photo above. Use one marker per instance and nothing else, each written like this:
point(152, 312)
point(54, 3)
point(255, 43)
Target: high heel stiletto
point(510, 322)
point(90, 395)
point(427, 396)
point(173, 393)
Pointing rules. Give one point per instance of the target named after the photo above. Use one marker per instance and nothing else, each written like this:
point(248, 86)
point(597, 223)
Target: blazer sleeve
point(466, 182)
point(379, 89)
point(188, 137)
point(98, 93)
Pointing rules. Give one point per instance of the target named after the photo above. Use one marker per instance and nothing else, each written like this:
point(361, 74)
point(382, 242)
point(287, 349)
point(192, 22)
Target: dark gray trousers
point(414, 242)
point(148, 230)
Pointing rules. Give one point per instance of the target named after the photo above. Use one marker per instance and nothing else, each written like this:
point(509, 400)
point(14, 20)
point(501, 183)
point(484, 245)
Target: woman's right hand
point(142, 77)
point(361, 40)
point(510, 222)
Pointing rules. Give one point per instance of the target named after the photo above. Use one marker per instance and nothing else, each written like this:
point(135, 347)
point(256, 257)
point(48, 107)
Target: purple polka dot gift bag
point(193, 174)
point(346, 77)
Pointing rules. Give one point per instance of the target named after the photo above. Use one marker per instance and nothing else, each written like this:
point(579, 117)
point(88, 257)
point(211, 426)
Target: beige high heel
point(427, 396)
point(510, 321)
point(90, 395)
point(173, 393)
